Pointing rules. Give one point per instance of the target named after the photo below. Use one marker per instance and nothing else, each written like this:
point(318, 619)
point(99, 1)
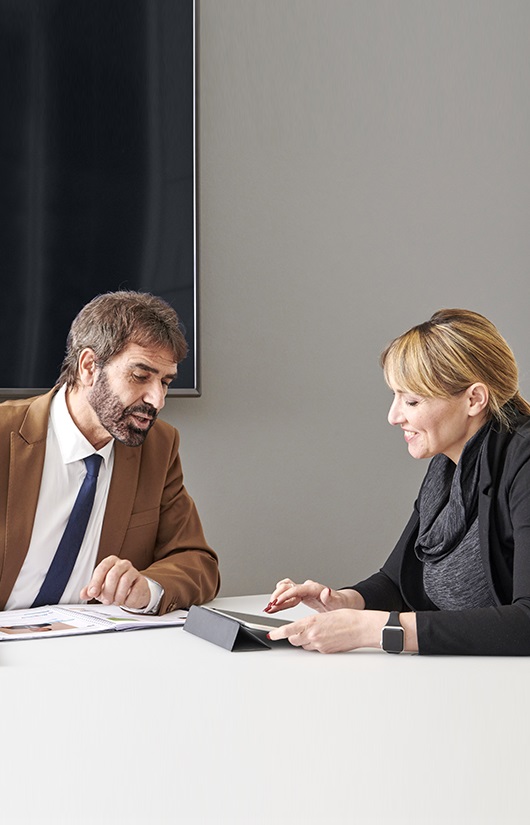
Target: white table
point(159, 726)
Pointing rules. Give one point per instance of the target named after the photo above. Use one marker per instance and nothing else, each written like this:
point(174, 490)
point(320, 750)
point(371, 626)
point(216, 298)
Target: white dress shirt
point(62, 476)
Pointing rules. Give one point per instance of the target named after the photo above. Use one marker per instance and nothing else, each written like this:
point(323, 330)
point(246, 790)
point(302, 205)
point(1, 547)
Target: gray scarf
point(448, 541)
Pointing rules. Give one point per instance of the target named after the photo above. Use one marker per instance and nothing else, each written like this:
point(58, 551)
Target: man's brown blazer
point(150, 519)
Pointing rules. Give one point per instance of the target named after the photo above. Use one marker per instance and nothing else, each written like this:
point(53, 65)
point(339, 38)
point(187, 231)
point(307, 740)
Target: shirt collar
point(72, 443)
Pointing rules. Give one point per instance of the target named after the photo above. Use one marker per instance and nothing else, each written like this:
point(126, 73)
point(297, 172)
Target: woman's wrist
point(352, 599)
point(377, 620)
point(373, 622)
point(408, 623)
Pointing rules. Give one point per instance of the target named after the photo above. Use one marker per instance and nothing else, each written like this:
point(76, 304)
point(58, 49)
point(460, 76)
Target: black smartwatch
point(393, 635)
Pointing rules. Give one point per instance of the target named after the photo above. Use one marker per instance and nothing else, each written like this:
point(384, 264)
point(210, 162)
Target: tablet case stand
point(224, 631)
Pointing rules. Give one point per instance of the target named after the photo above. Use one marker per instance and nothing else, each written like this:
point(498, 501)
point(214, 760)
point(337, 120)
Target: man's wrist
point(157, 591)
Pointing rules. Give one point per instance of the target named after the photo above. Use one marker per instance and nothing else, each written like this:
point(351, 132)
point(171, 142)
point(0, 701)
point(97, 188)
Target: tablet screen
point(252, 621)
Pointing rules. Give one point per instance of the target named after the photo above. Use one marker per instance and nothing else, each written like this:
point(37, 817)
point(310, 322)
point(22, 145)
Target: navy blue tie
point(65, 557)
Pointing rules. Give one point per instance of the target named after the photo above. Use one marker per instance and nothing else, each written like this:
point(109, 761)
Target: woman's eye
point(411, 403)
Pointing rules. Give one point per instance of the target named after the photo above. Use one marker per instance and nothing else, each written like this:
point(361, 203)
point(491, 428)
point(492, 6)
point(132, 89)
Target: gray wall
point(362, 164)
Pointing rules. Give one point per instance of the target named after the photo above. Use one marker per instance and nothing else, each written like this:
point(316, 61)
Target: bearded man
point(96, 437)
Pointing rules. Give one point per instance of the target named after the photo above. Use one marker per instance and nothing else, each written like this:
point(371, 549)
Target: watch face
point(393, 639)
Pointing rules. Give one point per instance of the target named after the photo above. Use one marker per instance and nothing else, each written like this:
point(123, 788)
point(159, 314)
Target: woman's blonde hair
point(451, 351)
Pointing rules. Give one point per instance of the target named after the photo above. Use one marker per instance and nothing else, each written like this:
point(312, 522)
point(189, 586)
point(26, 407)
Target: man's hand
point(116, 581)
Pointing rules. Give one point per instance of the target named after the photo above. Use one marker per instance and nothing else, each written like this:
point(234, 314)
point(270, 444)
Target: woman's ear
point(87, 367)
point(478, 395)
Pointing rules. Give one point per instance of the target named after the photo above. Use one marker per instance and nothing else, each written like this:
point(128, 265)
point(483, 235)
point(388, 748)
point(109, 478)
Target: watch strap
point(393, 634)
point(393, 619)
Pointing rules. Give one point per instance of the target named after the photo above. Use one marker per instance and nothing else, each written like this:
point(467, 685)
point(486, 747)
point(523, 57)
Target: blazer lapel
point(27, 451)
point(120, 502)
point(488, 481)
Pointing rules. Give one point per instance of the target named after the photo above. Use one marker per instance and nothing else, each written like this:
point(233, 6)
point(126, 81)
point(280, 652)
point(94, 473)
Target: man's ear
point(86, 369)
point(478, 395)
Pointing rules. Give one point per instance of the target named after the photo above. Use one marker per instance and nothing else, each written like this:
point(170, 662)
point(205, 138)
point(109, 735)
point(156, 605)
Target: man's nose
point(155, 396)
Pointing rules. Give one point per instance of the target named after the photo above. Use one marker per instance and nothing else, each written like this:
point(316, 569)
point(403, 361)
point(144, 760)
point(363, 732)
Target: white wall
point(362, 164)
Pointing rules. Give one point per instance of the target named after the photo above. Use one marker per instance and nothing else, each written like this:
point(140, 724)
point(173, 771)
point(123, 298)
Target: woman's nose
point(395, 415)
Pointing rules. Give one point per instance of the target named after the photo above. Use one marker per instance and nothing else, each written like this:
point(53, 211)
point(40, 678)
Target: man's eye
point(140, 377)
point(411, 403)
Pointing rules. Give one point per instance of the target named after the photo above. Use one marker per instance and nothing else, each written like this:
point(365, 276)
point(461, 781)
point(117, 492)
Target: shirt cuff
point(157, 591)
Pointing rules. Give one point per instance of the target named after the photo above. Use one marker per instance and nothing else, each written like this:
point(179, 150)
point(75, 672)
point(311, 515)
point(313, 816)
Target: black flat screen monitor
point(98, 171)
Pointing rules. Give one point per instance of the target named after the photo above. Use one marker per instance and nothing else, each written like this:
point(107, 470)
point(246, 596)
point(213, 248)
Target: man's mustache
point(143, 409)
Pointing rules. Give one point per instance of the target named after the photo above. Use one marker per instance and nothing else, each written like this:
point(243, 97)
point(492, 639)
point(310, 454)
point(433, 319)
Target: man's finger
point(95, 585)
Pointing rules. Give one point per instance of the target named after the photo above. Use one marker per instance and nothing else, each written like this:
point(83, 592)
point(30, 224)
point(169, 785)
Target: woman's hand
point(344, 629)
point(334, 632)
point(318, 596)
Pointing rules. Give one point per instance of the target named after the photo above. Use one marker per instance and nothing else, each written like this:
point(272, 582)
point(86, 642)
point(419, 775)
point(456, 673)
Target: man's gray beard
point(114, 417)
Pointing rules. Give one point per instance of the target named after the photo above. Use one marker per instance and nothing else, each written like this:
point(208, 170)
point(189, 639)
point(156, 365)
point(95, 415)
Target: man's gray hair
point(110, 322)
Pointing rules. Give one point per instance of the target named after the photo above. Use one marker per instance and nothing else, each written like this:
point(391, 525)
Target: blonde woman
point(458, 580)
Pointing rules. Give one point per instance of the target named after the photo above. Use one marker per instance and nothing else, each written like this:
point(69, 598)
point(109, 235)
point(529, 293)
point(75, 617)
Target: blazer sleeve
point(182, 561)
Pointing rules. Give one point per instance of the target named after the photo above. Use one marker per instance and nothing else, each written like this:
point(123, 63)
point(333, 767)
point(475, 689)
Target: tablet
point(251, 621)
